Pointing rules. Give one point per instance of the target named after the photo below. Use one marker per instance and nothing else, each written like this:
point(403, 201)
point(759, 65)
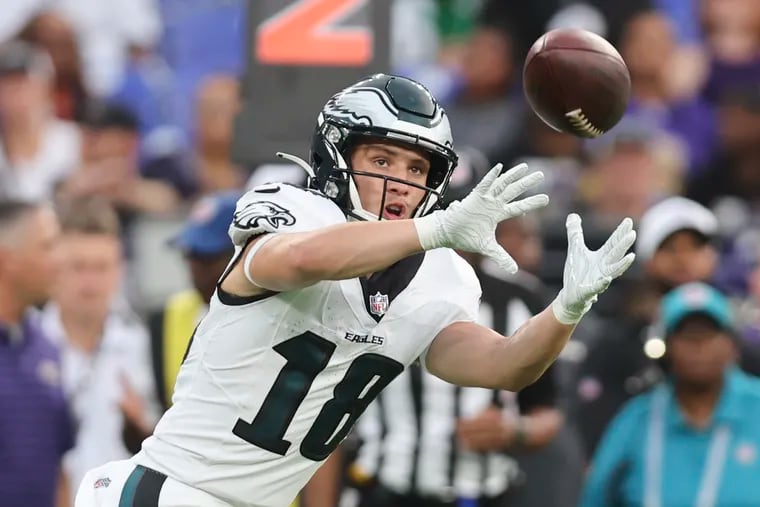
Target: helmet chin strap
point(353, 192)
point(356, 203)
point(426, 205)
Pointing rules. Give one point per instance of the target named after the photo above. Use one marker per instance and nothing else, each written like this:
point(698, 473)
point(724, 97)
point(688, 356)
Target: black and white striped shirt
point(408, 440)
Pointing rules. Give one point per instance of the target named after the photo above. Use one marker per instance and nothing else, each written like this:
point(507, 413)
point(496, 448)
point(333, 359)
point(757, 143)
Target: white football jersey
point(272, 384)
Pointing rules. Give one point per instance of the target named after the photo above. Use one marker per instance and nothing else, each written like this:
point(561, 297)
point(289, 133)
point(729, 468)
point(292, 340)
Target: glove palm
point(588, 273)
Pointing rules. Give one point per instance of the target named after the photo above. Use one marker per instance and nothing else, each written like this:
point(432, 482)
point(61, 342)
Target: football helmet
point(383, 107)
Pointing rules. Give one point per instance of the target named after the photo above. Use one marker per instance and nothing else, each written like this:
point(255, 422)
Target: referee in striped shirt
point(427, 443)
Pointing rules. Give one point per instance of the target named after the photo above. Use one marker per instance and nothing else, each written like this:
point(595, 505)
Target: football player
point(335, 289)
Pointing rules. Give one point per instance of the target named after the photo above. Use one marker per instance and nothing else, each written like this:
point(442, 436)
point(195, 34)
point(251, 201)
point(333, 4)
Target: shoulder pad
point(277, 207)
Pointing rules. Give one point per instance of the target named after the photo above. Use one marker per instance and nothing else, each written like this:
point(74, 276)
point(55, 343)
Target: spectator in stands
point(731, 185)
point(732, 36)
point(748, 322)
point(36, 149)
point(689, 64)
point(649, 49)
point(111, 170)
point(105, 348)
point(684, 17)
point(36, 427)
point(556, 154)
point(207, 248)
point(694, 439)
point(52, 33)
point(630, 168)
point(417, 34)
point(111, 34)
point(732, 172)
point(199, 39)
point(530, 20)
point(215, 109)
point(110, 167)
point(208, 167)
point(486, 114)
point(675, 245)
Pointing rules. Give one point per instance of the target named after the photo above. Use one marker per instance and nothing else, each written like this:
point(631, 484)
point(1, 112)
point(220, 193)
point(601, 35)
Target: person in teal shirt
point(694, 440)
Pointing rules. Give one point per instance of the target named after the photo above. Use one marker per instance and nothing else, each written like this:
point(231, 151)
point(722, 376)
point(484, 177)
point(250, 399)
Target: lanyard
point(712, 472)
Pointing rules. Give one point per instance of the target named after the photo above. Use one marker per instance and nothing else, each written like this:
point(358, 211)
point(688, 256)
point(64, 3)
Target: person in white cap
point(675, 245)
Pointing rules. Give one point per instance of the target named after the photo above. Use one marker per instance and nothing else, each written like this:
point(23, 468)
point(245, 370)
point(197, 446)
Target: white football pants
point(125, 484)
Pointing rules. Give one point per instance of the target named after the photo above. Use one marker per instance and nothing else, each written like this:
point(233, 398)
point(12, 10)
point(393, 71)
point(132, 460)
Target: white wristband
point(564, 315)
point(428, 229)
point(249, 258)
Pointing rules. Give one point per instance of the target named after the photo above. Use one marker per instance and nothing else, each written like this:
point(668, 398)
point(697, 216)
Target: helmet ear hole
point(439, 169)
point(336, 186)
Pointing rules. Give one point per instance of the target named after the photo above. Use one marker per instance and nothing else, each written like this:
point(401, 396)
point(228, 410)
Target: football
point(576, 82)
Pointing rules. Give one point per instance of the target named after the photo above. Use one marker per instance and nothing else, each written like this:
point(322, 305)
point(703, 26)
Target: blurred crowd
point(120, 115)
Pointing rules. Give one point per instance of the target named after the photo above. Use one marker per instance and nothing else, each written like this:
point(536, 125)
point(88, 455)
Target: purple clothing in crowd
point(684, 17)
point(727, 78)
point(693, 122)
point(35, 425)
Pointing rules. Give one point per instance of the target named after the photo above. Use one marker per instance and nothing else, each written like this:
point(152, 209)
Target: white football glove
point(470, 225)
point(588, 274)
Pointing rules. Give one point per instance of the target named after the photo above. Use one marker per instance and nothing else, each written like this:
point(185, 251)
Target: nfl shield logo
point(378, 304)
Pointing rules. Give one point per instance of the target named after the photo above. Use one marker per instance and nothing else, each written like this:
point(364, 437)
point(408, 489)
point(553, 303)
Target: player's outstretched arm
point(468, 354)
point(288, 261)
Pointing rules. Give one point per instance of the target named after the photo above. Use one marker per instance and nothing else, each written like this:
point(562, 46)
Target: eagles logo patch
point(254, 213)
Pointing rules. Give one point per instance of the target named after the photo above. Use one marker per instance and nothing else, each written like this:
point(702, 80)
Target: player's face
point(387, 159)
point(682, 258)
point(90, 274)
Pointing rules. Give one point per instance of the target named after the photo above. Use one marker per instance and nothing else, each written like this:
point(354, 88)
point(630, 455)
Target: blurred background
point(144, 120)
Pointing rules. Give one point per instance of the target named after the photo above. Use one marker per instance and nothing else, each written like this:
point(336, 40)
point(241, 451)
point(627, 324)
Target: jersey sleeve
point(456, 292)
point(456, 296)
point(277, 207)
